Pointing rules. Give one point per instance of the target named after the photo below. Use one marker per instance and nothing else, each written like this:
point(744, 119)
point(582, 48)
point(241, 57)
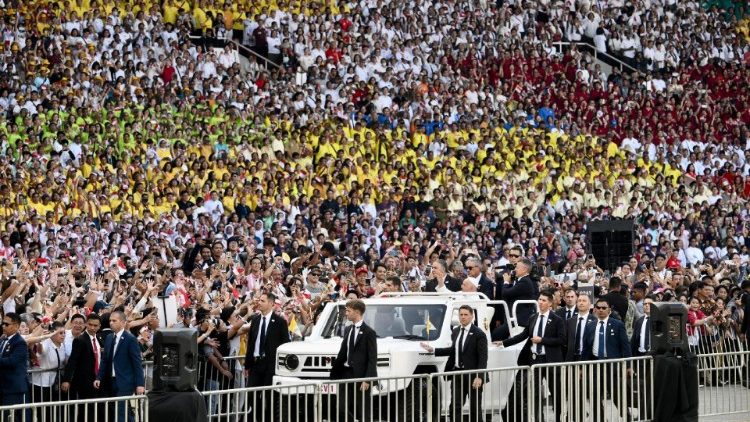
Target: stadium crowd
point(142, 159)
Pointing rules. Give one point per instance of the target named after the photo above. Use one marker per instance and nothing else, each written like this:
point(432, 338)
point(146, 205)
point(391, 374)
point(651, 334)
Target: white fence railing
point(593, 390)
point(111, 409)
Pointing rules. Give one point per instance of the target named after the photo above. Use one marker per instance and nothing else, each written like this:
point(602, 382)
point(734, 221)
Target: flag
point(293, 328)
point(428, 324)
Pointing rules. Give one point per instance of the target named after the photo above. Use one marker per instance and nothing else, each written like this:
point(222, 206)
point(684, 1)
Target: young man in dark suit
point(544, 337)
point(606, 340)
point(357, 358)
point(121, 368)
point(83, 365)
point(268, 331)
point(14, 365)
point(468, 351)
point(574, 329)
point(640, 345)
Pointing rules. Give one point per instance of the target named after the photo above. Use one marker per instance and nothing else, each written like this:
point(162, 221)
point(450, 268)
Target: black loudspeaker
point(611, 242)
point(668, 332)
point(175, 359)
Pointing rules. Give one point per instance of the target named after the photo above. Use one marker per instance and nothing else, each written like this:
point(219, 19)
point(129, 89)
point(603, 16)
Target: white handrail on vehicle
point(523, 302)
point(461, 295)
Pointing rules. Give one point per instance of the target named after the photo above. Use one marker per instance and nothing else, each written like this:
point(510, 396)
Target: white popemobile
point(402, 321)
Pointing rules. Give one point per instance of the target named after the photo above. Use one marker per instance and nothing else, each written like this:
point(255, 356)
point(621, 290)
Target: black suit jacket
point(635, 341)
point(570, 330)
point(451, 283)
point(277, 333)
point(489, 287)
point(616, 341)
point(475, 349)
point(79, 371)
point(523, 289)
point(618, 302)
point(561, 311)
point(745, 328)
point(364, 356)
point(552, 340)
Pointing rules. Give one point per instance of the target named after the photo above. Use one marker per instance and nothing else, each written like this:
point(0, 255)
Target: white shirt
point(267, 318)
point(352, 340)
point(51, 358)
point(118, 337)
point(541, 350)
point(582, 328)
point(466, 329)
point(595, 349)
point(94, 344)
point(644, 333)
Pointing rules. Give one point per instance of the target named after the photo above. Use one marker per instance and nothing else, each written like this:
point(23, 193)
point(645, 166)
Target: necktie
point(96, 355)
point(647, 340)
point(579, 334)
point(600, 352)
point(568, 314)
point(350, 347)
point(2, 344)
point(461, 349)
point(262, 344)
point(540, 333)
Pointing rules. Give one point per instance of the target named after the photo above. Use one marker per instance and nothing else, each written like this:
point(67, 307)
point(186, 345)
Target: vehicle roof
point(426, 298)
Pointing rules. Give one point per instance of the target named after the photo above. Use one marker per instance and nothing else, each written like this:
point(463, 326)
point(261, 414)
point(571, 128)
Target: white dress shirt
point(118, 337)
point(595, 350)
point(52, 358)
point(267, 318)
point(541, 351)
point(466, 329)
point(352, 339)
point(644, 333)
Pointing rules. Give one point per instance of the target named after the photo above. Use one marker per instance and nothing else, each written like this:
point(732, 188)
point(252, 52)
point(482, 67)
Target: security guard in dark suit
point(357, 358)
point(544, 336)
point(268, 331)
point(467, 351)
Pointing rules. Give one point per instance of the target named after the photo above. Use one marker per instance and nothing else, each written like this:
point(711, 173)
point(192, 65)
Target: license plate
point(328, 388)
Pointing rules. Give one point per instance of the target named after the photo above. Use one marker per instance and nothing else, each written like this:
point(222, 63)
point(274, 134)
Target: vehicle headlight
point(292, 362)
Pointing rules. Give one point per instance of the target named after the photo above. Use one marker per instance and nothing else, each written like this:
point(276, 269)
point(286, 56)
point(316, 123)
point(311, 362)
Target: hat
point(99, 305)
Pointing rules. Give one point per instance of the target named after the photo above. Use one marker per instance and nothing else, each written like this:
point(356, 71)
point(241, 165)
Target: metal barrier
point(723, 383)
point(482, 395)
point(576, 391)
point(111, 409)
point(262, 404)
point(616, 389)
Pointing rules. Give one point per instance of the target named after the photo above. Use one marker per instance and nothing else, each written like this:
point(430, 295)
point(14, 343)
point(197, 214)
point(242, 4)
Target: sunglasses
point(603, 308)
point(7, 324)
point(514, 256)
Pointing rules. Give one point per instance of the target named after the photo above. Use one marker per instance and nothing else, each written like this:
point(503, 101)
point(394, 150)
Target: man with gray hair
point(440, 280)
point(525, 288)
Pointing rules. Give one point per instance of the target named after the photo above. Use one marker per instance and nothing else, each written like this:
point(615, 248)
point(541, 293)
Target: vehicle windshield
point(410, 322)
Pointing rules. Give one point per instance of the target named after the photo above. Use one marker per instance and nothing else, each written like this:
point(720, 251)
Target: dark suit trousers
point(352, 403)
point(88, 412)
point(606, 383)
point(552, 376)
point(44, 395)
point(262, 402)
point(574, 379)
point(121, 408)
point(461, 387)
point(8, 399)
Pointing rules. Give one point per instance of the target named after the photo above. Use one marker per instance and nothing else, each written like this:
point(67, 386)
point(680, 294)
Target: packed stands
point(210, 150)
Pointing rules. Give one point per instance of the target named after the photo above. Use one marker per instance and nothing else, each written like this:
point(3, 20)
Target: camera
point(427, 270)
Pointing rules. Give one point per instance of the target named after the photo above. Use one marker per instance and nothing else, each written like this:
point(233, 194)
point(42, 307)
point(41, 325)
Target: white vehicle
point(401, 321)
